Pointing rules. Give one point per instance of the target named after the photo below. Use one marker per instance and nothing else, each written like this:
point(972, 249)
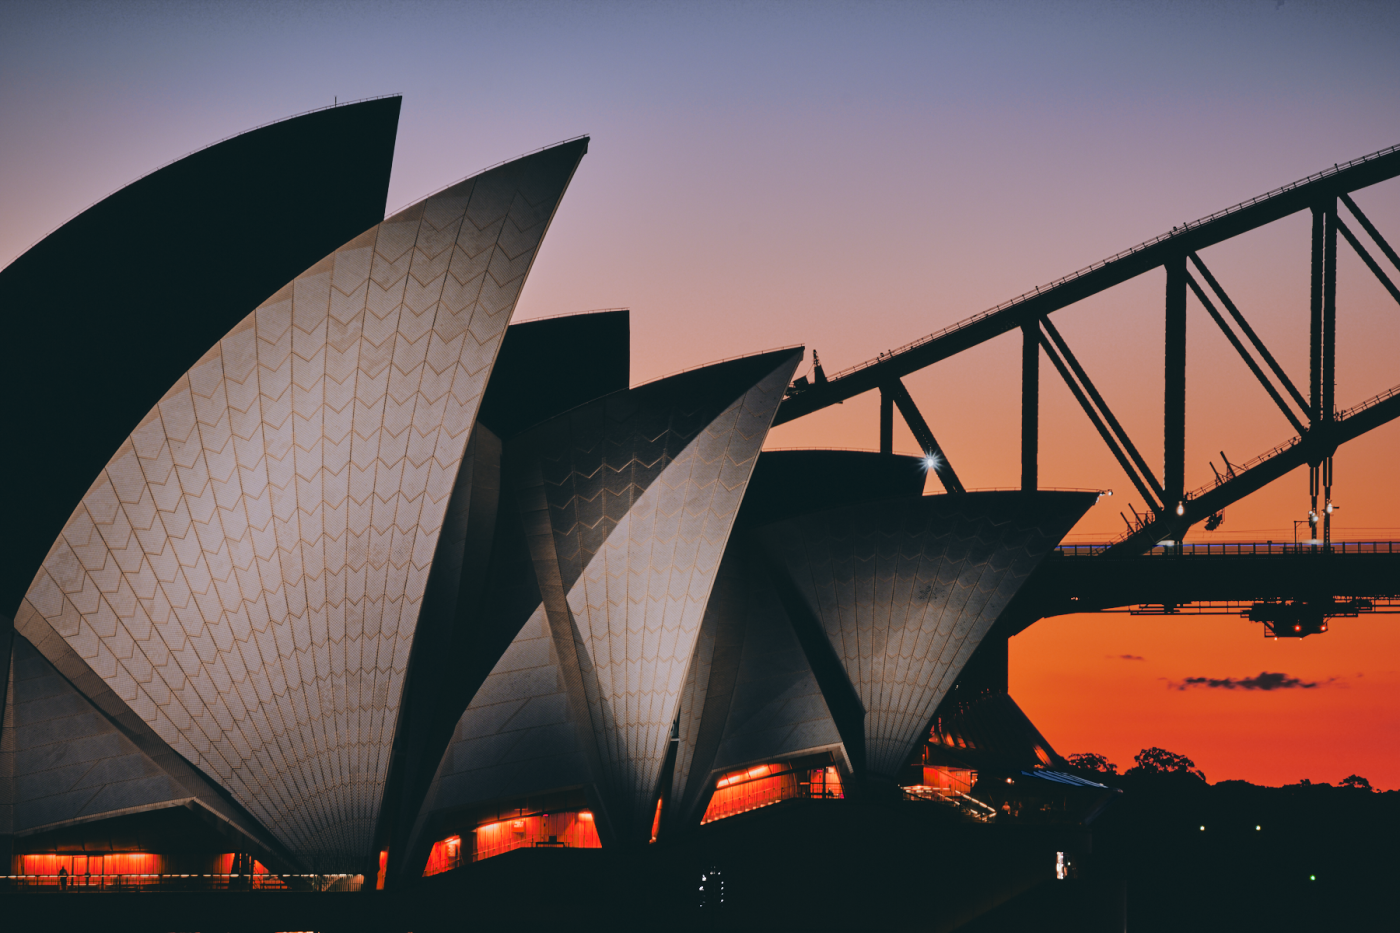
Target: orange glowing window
point(949, 782)
point(564, 830)
point(232, 864)
point(761, 786)
point(825, 783)
point(127, 868)
point(445, 856)
point(656, 821)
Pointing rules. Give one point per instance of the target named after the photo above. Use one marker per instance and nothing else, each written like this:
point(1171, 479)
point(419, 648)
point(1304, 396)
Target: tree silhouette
point(1160, 761)
point(1356, 781)
point(1092, 761)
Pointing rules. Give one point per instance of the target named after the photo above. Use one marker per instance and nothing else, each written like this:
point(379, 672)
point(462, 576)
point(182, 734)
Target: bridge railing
point(128, 882)
point(1243, 549)
point(1235, 470)
point(1078, 273)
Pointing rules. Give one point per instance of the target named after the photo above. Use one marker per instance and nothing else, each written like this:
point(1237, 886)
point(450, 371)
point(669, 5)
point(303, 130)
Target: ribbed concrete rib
point(905, 590)
point(98, 313)
point(639, 602)
point(247, 571)
point(106, 312)
point(65, 762)
point(627, 504)
point(751, 695)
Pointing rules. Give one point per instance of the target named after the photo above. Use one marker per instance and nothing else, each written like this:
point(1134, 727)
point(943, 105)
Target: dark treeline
point(1237, 856)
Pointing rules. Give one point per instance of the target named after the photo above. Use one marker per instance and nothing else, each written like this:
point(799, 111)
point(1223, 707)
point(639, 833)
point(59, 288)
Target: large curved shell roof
point(904, 590)
point(105, 313)
point(626, 505)
point(246, 572)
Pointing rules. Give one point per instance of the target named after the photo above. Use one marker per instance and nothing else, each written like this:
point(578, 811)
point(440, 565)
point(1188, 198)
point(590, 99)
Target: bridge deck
point(1068, 582)
point(1243, 549)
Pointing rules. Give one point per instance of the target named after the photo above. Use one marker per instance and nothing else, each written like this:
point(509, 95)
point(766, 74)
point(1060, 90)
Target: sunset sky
point(852, 177)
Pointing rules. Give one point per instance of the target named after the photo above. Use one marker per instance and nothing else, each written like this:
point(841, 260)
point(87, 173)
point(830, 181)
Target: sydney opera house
point(328, 578)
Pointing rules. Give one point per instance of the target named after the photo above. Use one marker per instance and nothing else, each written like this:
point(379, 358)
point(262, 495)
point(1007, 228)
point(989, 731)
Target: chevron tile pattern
point(246, 572)
point(516, 738)
point(639, 601)
point(906, 589)
point(750, 694)
point(636, 495)
point(67, 761)
point(778, 709)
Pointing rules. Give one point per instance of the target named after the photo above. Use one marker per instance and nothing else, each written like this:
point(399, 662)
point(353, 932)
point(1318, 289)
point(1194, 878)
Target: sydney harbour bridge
point(474, 669)
point(1293, 588)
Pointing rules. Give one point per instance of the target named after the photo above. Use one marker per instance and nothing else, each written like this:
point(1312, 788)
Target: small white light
point(1181, 508)
point(931, 461)
point(1203, 829)
point(1256, 829)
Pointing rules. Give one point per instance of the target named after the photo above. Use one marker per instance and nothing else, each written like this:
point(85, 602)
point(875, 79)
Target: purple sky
point(849, 177)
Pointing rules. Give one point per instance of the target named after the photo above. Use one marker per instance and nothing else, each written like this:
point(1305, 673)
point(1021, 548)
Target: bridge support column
point(1322, 357)
point(1327, 507)
point(1174, 384)
point(1329, 356)
point(886, 422)
point(1319, 219)
point(1329, 311)
point(1030, 405)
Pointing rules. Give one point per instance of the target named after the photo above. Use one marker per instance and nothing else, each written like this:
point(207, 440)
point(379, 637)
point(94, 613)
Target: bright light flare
point(932, 461)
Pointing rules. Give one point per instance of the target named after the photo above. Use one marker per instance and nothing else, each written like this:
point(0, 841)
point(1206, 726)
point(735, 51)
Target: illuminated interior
point(948, 782)
point(949, 738)
point(569, 829)
point(764, 785)
point(132, 869)
point(446, 855)
point(656, 821)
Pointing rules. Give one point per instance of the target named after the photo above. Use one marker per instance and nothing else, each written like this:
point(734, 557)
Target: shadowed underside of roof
point(626, 505)
point(904, 590)
point(246, 572)
point(482, 588)
point(103, 316)
point(751, 692)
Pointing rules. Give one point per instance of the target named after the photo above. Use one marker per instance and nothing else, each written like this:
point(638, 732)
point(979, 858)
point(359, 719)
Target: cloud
point(1127, 657)
point(1267, 680)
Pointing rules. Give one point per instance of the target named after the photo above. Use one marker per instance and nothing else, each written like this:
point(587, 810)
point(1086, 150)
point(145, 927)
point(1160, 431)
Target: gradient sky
point(851, 177)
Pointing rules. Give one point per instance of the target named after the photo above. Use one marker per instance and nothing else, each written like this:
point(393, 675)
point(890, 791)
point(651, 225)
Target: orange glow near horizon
point(852, 181)
point(1115, 684)
point(1069, 674)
